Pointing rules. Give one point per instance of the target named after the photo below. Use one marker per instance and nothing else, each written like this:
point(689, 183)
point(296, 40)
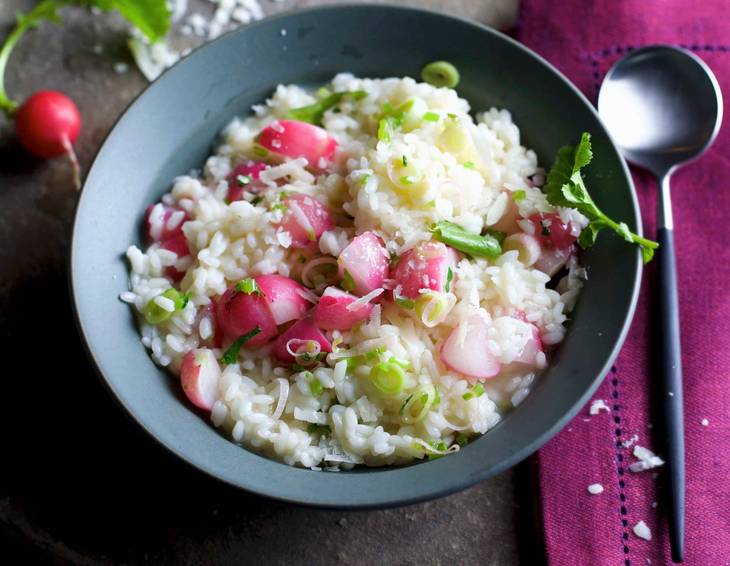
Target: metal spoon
point(663, 107)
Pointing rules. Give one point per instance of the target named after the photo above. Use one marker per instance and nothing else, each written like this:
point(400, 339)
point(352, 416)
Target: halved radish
point(199, 376)
point(289, 138)
point(425, 266)
point(331, 312)
point(552, 232)
point(527, 247)
point(239, 313)
point(508, 222)
point(250, 171)
point(303, 330)
point(553, 260)
point(178, 244)
point(306, 219)
point(470, 357)
point(364, 264)
point(532, 348)
point(162, 222)
point(284, 296)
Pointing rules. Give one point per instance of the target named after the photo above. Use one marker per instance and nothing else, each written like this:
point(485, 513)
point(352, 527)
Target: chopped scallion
point(248, 286)
point(155, 314)
point(440, 74)
point(405, 303)
point(315, 112)
point(519, 195)
point(449, 278)
point(231, 354)
point(469, 165)
point(348, 284)
point(431, 117)
point(389, 378)
point(243, 180)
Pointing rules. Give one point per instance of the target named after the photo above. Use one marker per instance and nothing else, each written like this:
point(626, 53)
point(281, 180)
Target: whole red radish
point(48, 124)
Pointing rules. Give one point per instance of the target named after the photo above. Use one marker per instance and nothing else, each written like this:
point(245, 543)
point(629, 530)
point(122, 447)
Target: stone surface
point(83, 484)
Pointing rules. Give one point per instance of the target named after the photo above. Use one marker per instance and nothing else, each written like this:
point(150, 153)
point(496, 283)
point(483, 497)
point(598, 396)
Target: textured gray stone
point(107, 493)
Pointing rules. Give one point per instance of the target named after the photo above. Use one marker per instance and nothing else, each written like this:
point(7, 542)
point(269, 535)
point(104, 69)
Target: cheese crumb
point(647, 460)
point(597, 406)
point(642, 531)
point(595, 488)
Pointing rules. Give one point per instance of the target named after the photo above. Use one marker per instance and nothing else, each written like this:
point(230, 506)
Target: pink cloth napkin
point(583, 39)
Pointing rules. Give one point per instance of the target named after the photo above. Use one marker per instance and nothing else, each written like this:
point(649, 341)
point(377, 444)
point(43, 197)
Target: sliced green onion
point(476, 391)
point(315, 387)
point(243, 180)
point(387, 127)
point(231, 354)
point(322, 92)
point(280, 206)
point(406, 180)
point(472, 244)
point(321, 429)
point(469, 165)
point(364, 179)
point(418, 404)
point(440, 74)
point(248, 286)
point(519, 195)
point(440, 448)
point(404, 159)
point(431, 117)
point(348, 283)
point(256, 200)
point(374, 354)
point(405, 303)
point(499, 236)
point(155, 314)
point(315, 112)
point(260, 150)
point(405, 364)
point(388, 378)
point(449, 279)
point(462, 440)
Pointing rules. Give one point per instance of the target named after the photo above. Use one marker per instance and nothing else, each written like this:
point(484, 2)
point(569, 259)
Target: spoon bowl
point(662, 106)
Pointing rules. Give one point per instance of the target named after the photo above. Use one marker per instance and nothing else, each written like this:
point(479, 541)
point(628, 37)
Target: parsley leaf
point(565, 187)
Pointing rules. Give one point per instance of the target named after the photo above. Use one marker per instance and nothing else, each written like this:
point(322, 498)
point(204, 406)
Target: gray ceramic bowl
point(171, 128)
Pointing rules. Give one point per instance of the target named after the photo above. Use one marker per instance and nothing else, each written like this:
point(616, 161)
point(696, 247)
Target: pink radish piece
point(331, 313)
point(306, 219)
point(472, 358)
point(552, 261)
point(179, 245)
point(528, 247)
point(304, 329)
point(199, 376)
point(532, 348)
point(284, 297)
point(250, 169)
point(158, 225)
point(364, 264)
point(289, 138)
point(552, 232)
point(239, 313)
point(508, 222)
point(425, 266)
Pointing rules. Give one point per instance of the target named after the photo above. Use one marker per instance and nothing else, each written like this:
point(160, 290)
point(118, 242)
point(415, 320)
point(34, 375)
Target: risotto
point(365, 274)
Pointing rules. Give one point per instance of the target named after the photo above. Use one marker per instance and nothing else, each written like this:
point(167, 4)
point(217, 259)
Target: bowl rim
point(446, 488)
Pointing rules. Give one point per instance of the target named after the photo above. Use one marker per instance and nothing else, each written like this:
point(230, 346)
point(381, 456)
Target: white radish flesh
point(332, 312)
point(306, 219)
point(286, 297)
point(364, 263)
point(199, 376)
point(470, 356)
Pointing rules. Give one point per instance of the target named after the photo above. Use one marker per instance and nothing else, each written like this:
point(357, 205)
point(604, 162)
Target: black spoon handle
point(671, 390)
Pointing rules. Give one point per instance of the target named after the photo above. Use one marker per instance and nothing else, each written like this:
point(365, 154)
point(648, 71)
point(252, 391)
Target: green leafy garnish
point(467, 242)
point(243, 180)
point(151, 17)
point(449, 278)
point(405, 303)
point(404, 160)
point(565, 187)
point(315, 112)
point(231, 354)
point(519, 195)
